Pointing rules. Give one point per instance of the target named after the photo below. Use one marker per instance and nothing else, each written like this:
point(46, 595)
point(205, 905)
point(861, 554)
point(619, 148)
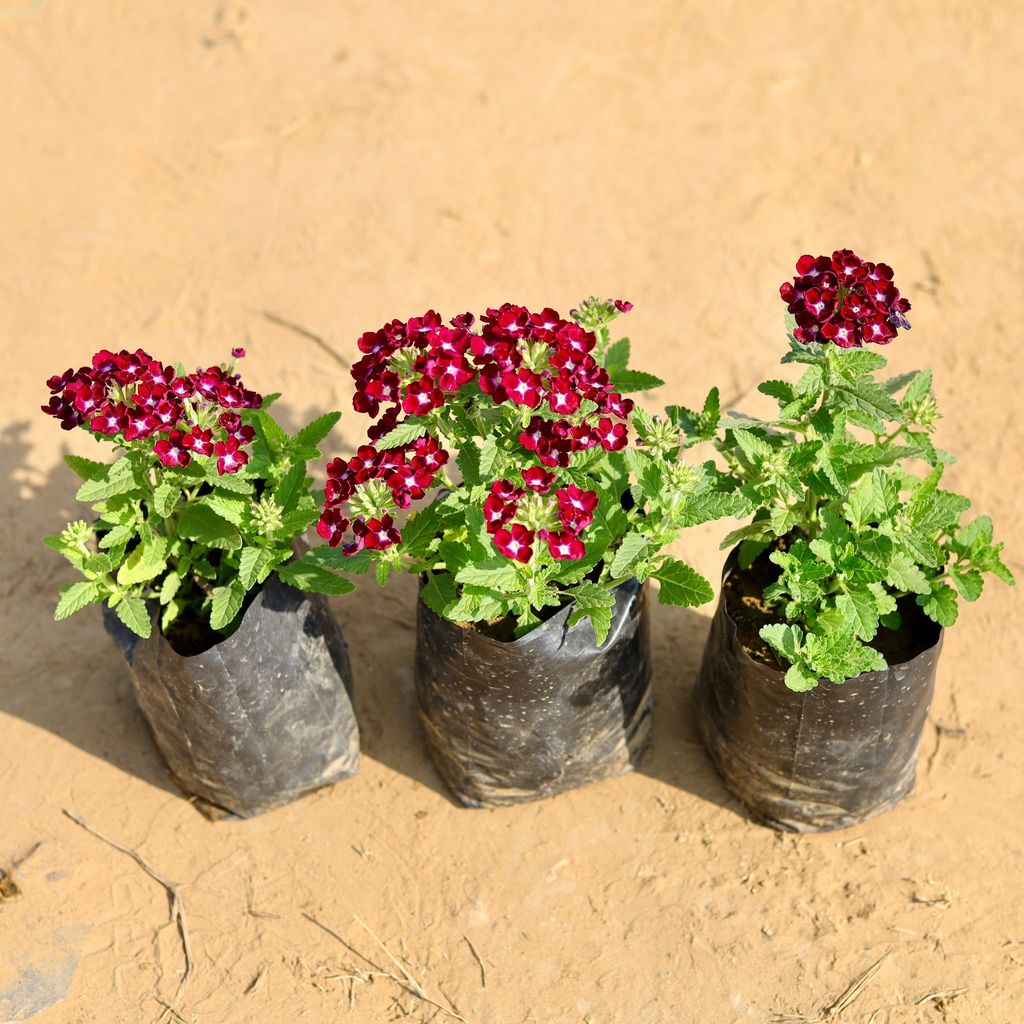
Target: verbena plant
point(845, 482)
point(550, 504)
point(206, 497)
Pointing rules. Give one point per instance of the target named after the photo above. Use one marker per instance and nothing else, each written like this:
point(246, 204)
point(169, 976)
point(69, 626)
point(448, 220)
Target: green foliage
point(190, 541)
point(844, 487)
point(645, 497)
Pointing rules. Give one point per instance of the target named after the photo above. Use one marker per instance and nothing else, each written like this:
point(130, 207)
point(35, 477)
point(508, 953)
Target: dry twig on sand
point(403, 979)
point(177, 909)
point(836, 1007)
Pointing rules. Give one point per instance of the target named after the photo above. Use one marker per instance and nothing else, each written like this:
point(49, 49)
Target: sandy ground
point(171, 172)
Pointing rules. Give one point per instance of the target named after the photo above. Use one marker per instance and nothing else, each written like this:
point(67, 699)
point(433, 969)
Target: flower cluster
point(543, 364)
point(844, 300)
point(517, 516)
point(134, 397)
point(370, 483)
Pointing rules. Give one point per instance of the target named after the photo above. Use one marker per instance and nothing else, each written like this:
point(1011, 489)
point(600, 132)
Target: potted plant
point(238, 666)
point(532, 658)
point(820, 664)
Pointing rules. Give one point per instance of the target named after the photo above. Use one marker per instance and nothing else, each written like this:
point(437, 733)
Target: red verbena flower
point(172, 452)
point(515, 542)
point(844, 300)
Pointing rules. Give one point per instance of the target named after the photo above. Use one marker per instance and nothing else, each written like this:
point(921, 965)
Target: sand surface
point(172, 172)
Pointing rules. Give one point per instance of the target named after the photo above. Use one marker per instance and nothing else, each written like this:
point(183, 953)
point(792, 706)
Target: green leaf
point(119, 479)
point(410, 429)
point(307, 575)
point(860, 610)
point(165, 497)
point(940, 605)
point(254, 565)
point(596, 603)
point(616, 358)
point(313, 433)
point(233, 482)
point(132, 612)
point(784, 639)
point(904, 574)
point(491, 459)
point(854, 362)
point(468, 461)
point(87, 469)
point(495, 574)
point(118, 535)
point(290, 487)
point(866, 396)
point(920, 387)
point(969, 582)
point(630, 553)
point(777, 389)
point(227, 601)
point(295, 523)
point(201, 523)
point(271, 434)
point(626, 381)
point(682, 585)
point(170, 586)
point(755, 448)
point(438, 593)
point(136, 569)
point(800, 678)
point(75, 597)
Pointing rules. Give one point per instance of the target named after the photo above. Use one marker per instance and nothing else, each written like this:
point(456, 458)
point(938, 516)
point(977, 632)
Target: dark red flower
point(623, 306)
point(172, 452)
point(380, 534)
point(612, 436)
point(199, 441)
point(515, 542)
point(238, 353)
point(523, 387)
point(565, 546)
point(537, 479)
point(230, 458)
point(844, 300)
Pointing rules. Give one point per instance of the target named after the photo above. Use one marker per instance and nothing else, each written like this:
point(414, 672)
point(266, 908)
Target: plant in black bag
point(852, 523)
point(554, 505)
point(854, 560)
point(553, 518)
point(205, 498)
point(246, 684)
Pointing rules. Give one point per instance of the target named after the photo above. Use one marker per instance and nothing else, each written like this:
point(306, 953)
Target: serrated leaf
point(295, 523)
point(778, 389)
point(254, 566)
point(234, 482)
point(118, 535)
point(865, 396)
point(755, 448)
point(307, 575)
point(313, 433)
point(860, 610)
point(616, 358)
point(969, 582)
point(165, 497)
point(920, 387)
point(904, 574)
point(682, 585)
point(593, 602)
point(170, 586)
point(75, 597)
point(495, 574)
point(468, 461)
point(87, 469)
point(227, 602)
point(410, 429)
point(201, 523)
point(135, 569)
point(940, 605)
point(491, 459)
point(630, 553)
point(270, 433)
point(785, 639)
point(119, 479)
point(627, 381)
point(132, 612)
point(800, 678)
point(438, 593)
point(290, 487)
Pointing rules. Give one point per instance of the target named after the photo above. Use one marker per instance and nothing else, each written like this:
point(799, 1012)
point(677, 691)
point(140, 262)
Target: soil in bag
point(258, 718)
point(512, 721)
point(825, 759)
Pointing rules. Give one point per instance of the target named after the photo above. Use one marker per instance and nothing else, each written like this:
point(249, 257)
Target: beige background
point(172, 170)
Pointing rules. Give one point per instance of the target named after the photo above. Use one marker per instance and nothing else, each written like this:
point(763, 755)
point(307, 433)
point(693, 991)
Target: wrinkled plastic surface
point(810, 762)
point(511, 722)
point(261, 717)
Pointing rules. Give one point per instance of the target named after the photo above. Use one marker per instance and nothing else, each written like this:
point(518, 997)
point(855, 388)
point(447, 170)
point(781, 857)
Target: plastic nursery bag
point(259, 718)
point(807, 762)
point(512, 722)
